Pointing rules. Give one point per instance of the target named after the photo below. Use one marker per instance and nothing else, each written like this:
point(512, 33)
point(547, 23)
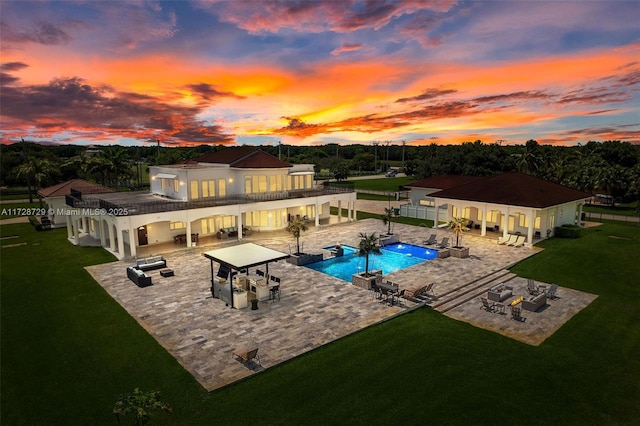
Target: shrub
point(568, 231)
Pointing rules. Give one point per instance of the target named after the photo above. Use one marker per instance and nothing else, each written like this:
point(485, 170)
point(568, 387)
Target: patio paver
point(315, 309)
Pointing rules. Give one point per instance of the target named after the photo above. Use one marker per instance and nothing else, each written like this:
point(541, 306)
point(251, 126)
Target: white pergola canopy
point(243, 256)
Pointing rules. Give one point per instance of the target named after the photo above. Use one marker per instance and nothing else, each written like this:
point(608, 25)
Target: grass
point(628, 209)
point(382, 184)
point(69, 351)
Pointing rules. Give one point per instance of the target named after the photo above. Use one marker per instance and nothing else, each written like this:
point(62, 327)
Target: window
point(207, 225)
point(262, 184)
point(493, 215)
point(205, 189)
point(536, 223)
point(273, 187)
point(523, 221)
point(212, 188)
point(177, 225)
point(194, 190)
point(222, 188)
point(228, 221)
point(309, 183)
point(428, 203)
point(247, 184)
point(279, 180)
point(466, 212)
point(175, 185)
point(161, 183)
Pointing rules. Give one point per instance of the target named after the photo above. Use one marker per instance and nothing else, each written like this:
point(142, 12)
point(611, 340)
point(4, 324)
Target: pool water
point(393, 258)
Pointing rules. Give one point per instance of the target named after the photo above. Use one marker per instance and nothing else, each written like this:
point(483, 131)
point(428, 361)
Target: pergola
point(242, 257)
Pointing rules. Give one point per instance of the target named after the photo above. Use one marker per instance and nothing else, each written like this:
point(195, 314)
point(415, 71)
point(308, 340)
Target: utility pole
point(375, 161)
point(403, 144)
point(158, 157)
point(279, 149)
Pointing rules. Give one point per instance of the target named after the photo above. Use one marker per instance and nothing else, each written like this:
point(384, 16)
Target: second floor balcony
point(137, 203)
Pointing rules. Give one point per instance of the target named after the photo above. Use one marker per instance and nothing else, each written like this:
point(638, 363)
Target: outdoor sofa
point(535, 303)
point(138, 277)
point(150, 263)
point(500, 293)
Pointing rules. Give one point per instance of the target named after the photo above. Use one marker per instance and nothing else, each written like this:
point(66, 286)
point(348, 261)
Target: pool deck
point(315, 309)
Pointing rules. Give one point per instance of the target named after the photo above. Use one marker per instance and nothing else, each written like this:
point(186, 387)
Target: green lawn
point(628, 209)
point(68, 351)
point(382, 184)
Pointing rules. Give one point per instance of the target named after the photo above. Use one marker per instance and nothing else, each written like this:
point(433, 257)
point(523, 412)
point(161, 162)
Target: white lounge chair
point(518, 241)
point(507, 240)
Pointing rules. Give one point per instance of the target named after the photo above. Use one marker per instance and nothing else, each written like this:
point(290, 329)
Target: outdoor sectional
point(150, 263)
point(138, 277)
point(500, 293)
point(535, 303)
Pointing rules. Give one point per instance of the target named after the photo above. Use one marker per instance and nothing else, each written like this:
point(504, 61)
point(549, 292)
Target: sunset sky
point(316, 72)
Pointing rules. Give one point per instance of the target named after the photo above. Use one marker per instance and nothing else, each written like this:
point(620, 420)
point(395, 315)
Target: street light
point(375, 161)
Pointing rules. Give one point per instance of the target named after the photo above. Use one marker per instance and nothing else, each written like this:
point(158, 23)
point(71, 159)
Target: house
point(55, 198)
point(220, 195)
point(509, 203)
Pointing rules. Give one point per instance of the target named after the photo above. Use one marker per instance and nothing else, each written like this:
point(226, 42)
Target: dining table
point(389, 289)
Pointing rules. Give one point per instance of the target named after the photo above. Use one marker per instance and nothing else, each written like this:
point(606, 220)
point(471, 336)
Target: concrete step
point(471, 290)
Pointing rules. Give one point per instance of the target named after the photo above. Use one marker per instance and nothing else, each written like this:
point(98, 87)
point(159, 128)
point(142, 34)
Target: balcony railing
point(128, 208)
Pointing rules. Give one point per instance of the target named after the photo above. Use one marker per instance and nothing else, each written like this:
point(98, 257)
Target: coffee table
point(166, 273)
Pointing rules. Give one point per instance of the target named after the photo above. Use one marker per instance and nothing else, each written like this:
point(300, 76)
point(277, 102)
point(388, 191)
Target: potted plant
point(368, 245)
point(296, 227)
point(387, 218)
point(459, 225)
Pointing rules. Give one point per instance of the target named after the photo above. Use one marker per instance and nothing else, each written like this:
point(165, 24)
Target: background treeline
point(610, 167)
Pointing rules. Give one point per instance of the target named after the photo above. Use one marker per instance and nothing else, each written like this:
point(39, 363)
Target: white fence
point(422, 212)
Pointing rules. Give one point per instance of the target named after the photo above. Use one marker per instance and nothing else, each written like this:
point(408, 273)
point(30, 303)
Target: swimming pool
point(393, 258)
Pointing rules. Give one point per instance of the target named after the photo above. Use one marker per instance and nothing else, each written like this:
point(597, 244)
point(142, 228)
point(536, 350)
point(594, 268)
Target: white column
point(355, 210)
point(483, 231)
point(112, 238)
point(579, 214)
point(76, 232)
point(530, 228)
point(103, 237)
point(85, 225)
point(505, 223)
point(435, 220)
point(339, 210)
point(132, 240)
point(317, 213)
point(188, 233)
point(69, 227)
point(239, 223)
point(120, 243)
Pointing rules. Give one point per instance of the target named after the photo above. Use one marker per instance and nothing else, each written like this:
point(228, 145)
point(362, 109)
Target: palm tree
point(36, 171)
point(459, 225)
point(389, 213)
point(368, 244)
point(295, 228)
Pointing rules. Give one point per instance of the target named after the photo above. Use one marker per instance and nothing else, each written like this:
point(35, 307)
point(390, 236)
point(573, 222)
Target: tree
point(295, 228)
point(339, 171)
point(140, 404)
point(36, 171)
point(389, 213)
point(459, 225)
point(368, 244)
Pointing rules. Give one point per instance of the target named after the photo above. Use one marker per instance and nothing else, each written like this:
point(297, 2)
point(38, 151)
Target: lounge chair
point(531, 287)
point(518, 241)
point(551, 293)
point(432, 240)
point(489, 307)
point(444, 243)
point(516, 313)
point(247, 355)
point(507, 240)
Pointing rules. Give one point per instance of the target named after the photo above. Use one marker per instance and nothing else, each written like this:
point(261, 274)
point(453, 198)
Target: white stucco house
point(55, 198)
point(509, 203)
point(218, 195)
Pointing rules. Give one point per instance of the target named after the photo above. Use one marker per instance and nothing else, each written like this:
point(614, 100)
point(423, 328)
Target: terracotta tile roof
point(443, 181)
point(243, 158)
point(64, 188)
point(515, 189)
